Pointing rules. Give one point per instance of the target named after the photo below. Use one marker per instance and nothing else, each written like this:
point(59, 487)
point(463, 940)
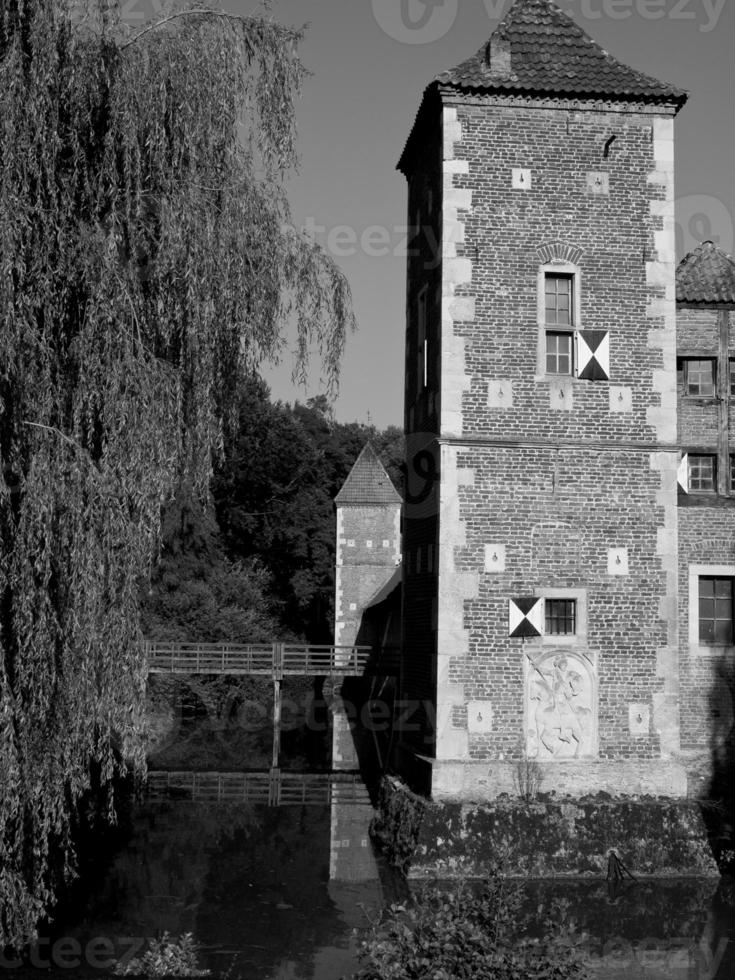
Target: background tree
point(145, 262)
point(275, 498)
point(198, 593)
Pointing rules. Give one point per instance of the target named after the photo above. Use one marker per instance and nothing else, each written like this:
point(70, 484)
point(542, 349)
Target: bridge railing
point(273, 659)
point(273, 787)
point(325, 659)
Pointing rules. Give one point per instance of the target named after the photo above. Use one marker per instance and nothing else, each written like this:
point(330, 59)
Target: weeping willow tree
point(146, 262)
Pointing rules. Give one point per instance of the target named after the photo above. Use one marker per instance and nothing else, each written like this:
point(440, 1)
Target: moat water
point(282, 893)
point(267, 892)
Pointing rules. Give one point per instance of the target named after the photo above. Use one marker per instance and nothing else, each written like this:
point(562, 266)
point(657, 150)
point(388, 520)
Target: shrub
point(465, 933)
point(165, 957)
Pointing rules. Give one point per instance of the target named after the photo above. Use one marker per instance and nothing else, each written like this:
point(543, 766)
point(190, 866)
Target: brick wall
point(560, 511)
point(420, 563)
point(706, 537)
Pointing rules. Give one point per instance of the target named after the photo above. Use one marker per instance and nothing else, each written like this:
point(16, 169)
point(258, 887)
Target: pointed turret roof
point(538, 49)
point(706, 275)
point(367, 482)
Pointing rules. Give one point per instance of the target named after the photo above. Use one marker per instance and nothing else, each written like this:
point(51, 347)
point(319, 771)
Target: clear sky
point(371, 60)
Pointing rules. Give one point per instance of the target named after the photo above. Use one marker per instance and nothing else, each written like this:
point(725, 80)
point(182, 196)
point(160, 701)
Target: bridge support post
point(277, 681)
point(276, 721)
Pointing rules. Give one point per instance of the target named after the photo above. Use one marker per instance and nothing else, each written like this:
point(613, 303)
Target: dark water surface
point(276, 894)
point(267, 892)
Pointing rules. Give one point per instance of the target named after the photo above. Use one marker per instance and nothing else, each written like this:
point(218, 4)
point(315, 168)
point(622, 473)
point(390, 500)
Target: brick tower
point(368, 545)
point(540, 537)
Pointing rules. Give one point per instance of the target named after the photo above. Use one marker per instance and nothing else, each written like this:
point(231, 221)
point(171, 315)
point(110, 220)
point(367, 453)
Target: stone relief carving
point(561, 707)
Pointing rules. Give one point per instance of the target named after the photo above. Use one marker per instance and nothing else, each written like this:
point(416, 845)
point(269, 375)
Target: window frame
point(559, 355)
point(564, 640)
point(556, 278)
point(573, 273)
point(696, 647)
point(422, 341)
point(701, 456)
point(686, 363)
point(723, 600)
point(569, 615)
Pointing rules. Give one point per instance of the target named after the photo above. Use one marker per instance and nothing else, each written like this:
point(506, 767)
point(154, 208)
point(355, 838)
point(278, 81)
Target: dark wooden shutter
point(593, 355)
point(526, 616)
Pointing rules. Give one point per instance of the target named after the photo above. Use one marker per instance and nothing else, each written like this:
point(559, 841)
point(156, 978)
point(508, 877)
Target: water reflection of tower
point(351, 855)
point(354, 880)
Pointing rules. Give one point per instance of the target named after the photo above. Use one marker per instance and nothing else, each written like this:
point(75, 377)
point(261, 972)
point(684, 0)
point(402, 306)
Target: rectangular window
point(559, 313)
point(561, 617)
point(732, 377)
point(702, 474)
point(732, 474)
point(422, 360)
point(559, 356)
point(559, 301)
point(699, 377)
point(715, 611)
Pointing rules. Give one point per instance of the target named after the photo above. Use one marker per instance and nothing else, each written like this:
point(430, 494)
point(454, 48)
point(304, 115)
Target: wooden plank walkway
point(270, 659)
point(273, 787)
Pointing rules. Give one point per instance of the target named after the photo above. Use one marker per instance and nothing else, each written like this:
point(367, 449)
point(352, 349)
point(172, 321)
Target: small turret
point(368, 542)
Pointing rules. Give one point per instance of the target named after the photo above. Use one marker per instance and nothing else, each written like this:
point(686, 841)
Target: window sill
point(538, 378)
point(712, 652)
point(702, 499)
point(555, 377)
point(559, 641)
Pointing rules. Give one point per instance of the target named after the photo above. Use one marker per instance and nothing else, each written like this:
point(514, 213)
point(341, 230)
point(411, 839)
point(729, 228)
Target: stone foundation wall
point(542, 838)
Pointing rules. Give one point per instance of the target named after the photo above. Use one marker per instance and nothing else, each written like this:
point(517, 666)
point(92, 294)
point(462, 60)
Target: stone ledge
point(481, 781)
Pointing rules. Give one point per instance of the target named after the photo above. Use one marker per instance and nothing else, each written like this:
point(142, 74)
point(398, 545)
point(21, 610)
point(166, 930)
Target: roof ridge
point(706, 275)
point(715, 247)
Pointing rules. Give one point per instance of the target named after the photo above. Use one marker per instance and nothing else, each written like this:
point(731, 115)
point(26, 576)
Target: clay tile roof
point(706, 275)
point(550, 54)
point(367, 482)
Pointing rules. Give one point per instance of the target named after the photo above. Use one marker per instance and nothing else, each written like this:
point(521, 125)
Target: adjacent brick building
point(705, 330)
point(568, 537)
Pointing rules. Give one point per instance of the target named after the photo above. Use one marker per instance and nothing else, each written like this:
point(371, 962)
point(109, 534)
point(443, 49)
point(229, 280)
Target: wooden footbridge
point(272, 787)
point(274, 660)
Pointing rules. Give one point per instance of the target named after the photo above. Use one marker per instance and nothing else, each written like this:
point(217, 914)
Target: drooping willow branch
point(145, 265)
point(244, 20)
